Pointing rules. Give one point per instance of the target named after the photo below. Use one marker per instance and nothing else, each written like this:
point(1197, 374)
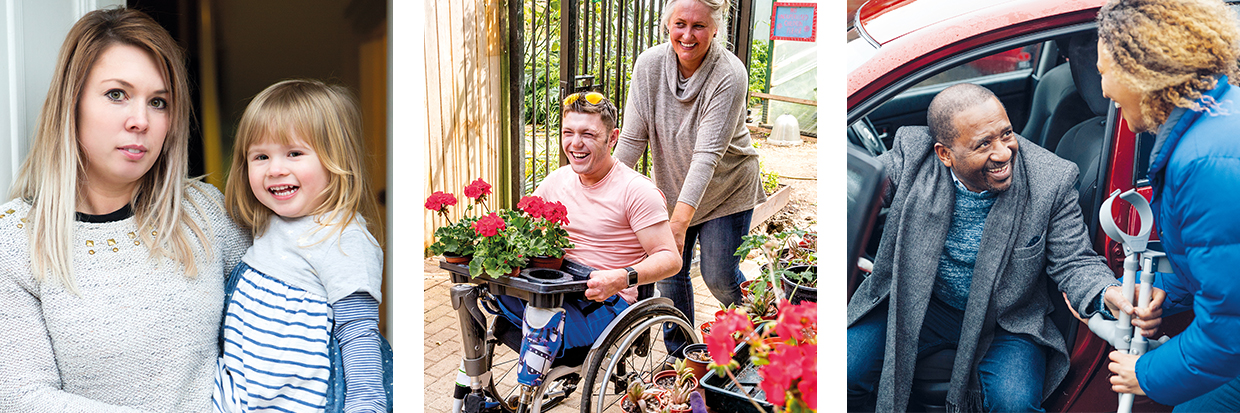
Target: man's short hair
point(950, 102)
point(604, 108)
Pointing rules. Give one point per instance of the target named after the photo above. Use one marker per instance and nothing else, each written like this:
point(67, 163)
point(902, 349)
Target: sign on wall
point(794, 21)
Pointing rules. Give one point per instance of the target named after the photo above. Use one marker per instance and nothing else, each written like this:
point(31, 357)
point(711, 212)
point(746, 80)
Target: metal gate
point(573, 45)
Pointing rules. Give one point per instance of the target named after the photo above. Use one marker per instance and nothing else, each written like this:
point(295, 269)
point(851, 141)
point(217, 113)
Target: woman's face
point(122, 117)
point(691, 31)
point(1124, 96)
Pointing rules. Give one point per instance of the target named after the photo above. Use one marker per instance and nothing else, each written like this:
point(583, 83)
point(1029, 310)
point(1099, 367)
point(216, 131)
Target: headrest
point(1083, 60)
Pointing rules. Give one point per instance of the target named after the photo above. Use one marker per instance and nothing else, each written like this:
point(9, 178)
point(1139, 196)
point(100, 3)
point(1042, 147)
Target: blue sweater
point(960, 249)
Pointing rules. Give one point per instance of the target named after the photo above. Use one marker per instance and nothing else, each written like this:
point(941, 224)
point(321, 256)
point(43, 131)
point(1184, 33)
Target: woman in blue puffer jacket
point(1171, 65)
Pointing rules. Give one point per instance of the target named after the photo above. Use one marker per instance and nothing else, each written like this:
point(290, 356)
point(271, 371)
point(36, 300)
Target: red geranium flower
point(489, 225)
point(555, 212)
point(532, 205)
point(439, 201)
point(478, 189)
point(809, 384)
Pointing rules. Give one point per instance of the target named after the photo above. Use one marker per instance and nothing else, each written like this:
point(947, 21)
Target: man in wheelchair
point(618, 224)
point(977, 216)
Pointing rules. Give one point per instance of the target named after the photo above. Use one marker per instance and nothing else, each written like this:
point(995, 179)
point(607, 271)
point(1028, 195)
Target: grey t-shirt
point(314, 257)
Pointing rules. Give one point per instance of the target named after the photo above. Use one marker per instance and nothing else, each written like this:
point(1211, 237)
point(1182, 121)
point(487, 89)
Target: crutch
point(1120, 333)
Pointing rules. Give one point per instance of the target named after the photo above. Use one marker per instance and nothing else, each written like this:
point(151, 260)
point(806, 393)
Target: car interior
point(1053, 95)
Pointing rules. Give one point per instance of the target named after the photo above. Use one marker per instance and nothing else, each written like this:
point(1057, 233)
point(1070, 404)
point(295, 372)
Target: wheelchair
point(629, 350)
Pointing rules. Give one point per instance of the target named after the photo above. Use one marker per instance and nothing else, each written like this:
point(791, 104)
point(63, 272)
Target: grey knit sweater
point(141, 337)
point(699, 145)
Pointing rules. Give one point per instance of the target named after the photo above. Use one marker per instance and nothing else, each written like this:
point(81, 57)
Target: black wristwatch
point(632, 276)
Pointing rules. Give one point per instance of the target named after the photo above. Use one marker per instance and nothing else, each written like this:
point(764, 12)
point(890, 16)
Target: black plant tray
point(723, 396)
point(541, 287)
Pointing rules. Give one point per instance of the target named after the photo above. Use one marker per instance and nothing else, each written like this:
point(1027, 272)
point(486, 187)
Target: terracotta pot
point(698, 367)
point(705, 329)
point(542, 261)
point(662, 374)
point(457, 259)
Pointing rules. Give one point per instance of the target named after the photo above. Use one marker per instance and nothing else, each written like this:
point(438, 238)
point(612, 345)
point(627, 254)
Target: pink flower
point(489, 225)
point(532, 205)
point(719, 343)
point(795, 320)
point(440, 201)
point(555, 212)
point(809, 383)
point(478, 189)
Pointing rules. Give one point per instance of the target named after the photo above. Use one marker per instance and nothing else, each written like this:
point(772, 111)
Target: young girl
point(312, 277)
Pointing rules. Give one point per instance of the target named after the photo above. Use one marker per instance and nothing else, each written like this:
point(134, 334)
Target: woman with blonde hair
point(112, 266)
point(1171, 66)
point(686, 103)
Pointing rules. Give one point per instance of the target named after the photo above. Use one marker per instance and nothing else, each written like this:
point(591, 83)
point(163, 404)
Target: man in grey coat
point(977, 216)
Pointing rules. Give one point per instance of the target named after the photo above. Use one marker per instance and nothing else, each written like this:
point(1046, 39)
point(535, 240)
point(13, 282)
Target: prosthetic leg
point(1120, 333)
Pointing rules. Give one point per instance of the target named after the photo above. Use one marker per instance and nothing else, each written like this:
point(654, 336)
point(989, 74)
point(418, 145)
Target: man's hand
point(1124, 373)
point(606, 283)
point(1148, 319)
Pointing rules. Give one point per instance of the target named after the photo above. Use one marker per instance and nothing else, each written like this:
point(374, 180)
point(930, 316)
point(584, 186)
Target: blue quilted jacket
point(1196, 184)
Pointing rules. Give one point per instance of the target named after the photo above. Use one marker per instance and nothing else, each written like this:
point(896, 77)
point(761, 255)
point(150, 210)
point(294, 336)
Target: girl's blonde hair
point(328, 119)
point(51, 177)
point(1170, 51)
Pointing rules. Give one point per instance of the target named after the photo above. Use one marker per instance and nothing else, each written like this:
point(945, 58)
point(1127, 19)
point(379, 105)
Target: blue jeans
point(1011, 373)
point(720, 267)
point(1225, 398)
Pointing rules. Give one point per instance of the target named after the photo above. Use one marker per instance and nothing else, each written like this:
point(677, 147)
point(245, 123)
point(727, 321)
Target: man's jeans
point(1225, 398)
point(1011, 373)
point(720, 267)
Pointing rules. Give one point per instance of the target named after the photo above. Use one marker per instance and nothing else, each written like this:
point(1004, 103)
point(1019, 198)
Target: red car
point(1038, 57)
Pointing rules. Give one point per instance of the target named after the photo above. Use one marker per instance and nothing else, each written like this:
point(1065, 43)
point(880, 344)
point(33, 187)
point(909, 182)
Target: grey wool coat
point(1033, 231)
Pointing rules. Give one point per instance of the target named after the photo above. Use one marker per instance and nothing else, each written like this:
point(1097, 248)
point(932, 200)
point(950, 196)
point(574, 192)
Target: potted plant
point(788, 257)
point(697, 358)
point(788, 371)
point(642, 398)
point(678, 393)
point(456, 240)
point(501, 248)
point(543, 224)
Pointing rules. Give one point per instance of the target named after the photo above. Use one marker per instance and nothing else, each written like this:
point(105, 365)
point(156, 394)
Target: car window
point(1007, 61)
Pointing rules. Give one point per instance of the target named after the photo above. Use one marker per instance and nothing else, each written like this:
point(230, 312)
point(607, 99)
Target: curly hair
point(1170, 51)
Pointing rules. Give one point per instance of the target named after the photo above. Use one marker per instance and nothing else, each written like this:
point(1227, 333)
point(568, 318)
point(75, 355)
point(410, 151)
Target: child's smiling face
point(287, 178)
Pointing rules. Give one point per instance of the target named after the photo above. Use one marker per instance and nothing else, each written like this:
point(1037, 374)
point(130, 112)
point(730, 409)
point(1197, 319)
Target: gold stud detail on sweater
point(90, 243)
point(111, 241)
point(9, 211)
point(115, 249)
point(132, 235)
point(23, 219)
point(19, 225)
point(137, 242)
point(92, 252)
point(154, 233)
point(1, 215)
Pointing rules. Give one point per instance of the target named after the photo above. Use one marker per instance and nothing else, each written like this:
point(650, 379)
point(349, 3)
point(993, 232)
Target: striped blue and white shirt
point(284, 308)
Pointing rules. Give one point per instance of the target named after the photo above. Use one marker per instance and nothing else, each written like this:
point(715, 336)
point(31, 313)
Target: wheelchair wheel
point(632, 353)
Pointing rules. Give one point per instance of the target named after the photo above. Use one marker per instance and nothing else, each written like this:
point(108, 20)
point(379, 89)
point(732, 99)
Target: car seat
point(1083, 143)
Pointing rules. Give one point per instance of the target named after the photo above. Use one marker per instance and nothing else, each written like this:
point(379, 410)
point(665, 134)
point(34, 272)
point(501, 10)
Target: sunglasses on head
point(592, 98)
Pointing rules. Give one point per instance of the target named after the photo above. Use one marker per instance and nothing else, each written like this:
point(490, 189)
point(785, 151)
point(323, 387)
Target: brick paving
point(443, 343)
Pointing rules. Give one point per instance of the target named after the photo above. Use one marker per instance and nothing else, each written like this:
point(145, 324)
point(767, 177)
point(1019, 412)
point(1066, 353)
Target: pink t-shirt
point(604, 218)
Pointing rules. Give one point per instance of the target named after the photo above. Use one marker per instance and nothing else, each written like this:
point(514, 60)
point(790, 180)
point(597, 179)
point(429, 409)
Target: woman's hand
point(1124, 373)
point(1147, 319)
point(681, 215)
